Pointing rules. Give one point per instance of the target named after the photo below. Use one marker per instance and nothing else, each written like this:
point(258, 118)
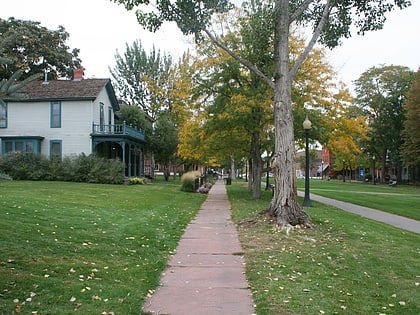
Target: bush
point(82, 168)
point(189, 181)
point(136, 181)
point(205, 188)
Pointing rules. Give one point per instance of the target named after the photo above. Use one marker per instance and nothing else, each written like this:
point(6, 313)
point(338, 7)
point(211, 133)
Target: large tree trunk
point(249, 177)
point(257, 164)
point(284, 205)
point(383, 165)
point(232, 174)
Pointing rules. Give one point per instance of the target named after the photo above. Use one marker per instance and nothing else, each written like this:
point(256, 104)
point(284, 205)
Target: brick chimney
point(78, 74)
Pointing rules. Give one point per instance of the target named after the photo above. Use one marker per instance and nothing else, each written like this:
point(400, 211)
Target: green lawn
point(401, 199)
point(85, 248)
point(345, 265)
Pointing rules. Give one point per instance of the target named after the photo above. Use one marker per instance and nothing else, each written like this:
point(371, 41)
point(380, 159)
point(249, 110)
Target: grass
point(85, 248)
point(345, 265)
point(401, 199)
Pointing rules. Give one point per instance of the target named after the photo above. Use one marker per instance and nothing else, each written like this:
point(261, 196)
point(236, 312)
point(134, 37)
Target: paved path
point(206, 276)
point(392, 219)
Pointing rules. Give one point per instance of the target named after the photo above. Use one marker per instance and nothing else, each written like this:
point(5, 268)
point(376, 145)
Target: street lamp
point(307, 126)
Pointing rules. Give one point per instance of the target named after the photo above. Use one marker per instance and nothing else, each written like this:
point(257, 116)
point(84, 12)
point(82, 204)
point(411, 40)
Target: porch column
point(123, 155)
point(129, 161)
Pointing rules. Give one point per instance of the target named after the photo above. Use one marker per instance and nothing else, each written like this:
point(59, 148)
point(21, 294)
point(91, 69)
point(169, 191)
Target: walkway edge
point(377, 215)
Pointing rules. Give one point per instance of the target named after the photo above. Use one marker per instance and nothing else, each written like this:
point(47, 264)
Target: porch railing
point(117, 130)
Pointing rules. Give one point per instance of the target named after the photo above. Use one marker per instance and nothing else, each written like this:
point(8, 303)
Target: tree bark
point(284, 205)
point(232, 174)
point(257, 164)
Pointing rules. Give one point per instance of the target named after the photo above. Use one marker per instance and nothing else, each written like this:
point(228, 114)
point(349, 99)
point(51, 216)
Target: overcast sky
point(99, 28)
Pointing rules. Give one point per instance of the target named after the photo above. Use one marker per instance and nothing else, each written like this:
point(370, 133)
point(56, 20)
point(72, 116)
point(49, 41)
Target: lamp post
point(322, 169)
point(267, 179)
point(307, 126)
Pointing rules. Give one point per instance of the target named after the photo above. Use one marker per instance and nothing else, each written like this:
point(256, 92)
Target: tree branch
point(300, 10)
point(246, 63)
point(312, 42)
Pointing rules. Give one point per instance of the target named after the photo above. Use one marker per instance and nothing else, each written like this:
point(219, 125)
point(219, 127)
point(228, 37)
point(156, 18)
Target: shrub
point(205, 188)
point(136, 181)
point(20, 165)
point(80, 168)
point(189, 181)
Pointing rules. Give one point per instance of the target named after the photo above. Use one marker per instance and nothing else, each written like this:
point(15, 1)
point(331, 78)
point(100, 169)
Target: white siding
point(33, 119)
point(102, 98)
point(76, 126)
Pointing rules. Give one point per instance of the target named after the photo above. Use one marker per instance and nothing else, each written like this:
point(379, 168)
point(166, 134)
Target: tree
point(410, 149)
point(240, 111)
point(330, 21)
point(165, 141)
point(381, 94)
point(9, 88)
point(134, 116)
point(143, 79)
point(32, 48)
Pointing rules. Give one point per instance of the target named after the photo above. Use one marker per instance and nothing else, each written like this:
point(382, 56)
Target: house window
point(101, 116)
point(55, 114)
point(3, 115)
point(109, 116)
point(55, 149)
point(20, 145)
point(109, 119)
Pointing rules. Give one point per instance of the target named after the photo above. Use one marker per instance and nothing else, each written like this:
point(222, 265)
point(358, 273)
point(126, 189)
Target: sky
point(100, 28)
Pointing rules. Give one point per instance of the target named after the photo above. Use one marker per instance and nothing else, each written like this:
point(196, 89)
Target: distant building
point(319, 167)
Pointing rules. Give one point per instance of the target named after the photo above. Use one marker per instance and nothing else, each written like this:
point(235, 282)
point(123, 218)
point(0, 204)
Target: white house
point(68, 117)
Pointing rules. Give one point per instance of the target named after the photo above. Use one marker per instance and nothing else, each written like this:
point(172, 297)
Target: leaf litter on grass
point(310, 269)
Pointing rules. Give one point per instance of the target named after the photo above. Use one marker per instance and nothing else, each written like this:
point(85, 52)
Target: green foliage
point(164, 140)
point(189, 181)
point(142, 79)
point(10, 86)
point(346, 16)
point(381, 92)
point(191, 16)
point(82, 168)
point(410, 150)
point(33, 49)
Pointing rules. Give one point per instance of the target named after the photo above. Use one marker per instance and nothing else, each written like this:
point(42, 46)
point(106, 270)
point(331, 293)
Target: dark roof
point(66, 90)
